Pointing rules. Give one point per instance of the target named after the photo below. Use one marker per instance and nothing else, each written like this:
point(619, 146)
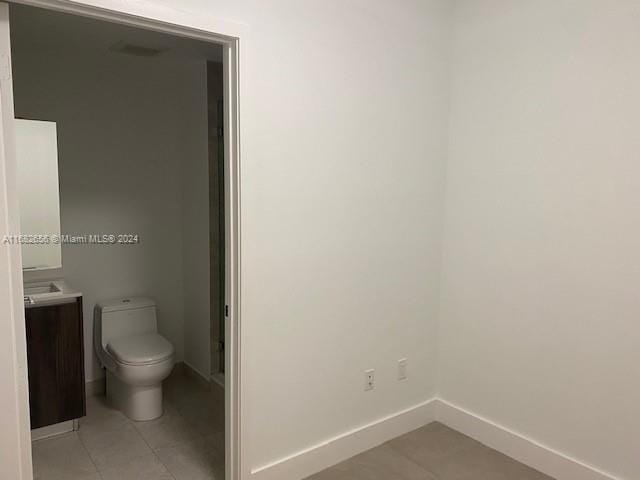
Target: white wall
point(344, 128)
point(342, 170)
point(128, 128)
point(195, 230)
point(539, 327)
point(15, 441)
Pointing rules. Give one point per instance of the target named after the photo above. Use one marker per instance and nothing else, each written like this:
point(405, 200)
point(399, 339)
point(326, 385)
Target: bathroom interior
point(119, 140)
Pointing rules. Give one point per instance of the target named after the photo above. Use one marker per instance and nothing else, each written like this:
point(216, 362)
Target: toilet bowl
point(136, 358)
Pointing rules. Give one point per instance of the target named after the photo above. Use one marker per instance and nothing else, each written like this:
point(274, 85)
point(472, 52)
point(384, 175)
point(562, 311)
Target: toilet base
point(139, 403)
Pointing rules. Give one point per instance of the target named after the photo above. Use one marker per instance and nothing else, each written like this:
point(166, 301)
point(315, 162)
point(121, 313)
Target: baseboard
point(196, 375)
point(341, 447)
point(334, 450)
point(53, 430)
point(527, 451)
point(218, 378)
point(95, 387)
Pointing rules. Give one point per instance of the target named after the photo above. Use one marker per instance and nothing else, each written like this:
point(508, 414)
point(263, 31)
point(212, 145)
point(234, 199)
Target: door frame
point(185, 24)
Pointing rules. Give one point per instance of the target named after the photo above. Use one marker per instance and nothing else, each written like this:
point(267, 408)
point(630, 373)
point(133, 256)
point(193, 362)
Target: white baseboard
point(219, 379)
point(334, 450)
point(519, 447)
point(341, 447)
point(53, 430)
point(195, 374)
point(95, 387)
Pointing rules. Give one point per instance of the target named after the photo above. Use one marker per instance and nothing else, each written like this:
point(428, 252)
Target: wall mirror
point(38, 193)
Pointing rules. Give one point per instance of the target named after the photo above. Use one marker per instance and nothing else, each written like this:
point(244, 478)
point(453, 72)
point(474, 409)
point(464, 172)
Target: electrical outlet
point(369, 378)
point(402, 369)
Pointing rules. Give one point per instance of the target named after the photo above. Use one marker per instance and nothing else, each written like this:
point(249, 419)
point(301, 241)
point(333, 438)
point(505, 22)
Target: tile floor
point(186, 443)
point(434, 452)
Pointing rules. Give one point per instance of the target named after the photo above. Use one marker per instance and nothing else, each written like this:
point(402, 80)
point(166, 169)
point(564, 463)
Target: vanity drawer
point(55, 356)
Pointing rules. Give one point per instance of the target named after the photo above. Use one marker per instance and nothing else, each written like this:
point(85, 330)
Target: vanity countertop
point(49, 292)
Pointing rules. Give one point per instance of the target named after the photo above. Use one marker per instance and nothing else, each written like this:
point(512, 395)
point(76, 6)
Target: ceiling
point(39, 28)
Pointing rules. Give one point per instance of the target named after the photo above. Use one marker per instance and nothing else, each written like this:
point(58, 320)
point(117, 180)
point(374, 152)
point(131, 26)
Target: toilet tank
point(125, 317)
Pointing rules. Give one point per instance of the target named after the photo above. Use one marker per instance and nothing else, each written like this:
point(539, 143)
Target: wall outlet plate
point(402, 369)
point(369, 379)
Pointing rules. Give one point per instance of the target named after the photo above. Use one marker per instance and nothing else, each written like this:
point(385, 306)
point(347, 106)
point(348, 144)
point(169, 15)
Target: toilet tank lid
point(129, 303)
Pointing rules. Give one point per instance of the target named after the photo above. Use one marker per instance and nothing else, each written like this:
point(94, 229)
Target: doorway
point(228, 219)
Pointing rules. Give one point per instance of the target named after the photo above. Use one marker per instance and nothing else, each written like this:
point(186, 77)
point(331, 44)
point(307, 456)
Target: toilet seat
point(147, 349)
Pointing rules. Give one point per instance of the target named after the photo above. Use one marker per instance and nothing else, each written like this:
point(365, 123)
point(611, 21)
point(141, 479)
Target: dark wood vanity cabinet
point(55, 356)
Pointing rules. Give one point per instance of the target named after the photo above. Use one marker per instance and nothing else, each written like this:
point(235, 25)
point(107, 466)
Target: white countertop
point(49, 292)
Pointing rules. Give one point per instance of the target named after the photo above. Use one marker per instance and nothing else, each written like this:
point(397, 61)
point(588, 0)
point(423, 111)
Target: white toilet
point(137, 359)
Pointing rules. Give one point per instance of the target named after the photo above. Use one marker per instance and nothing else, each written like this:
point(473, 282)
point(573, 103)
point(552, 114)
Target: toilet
point(136, 358)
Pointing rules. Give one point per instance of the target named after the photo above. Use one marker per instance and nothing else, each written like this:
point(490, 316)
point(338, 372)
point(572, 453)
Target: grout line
point(404, 455)
point(86, 450)
point(164, 465)
point(153, 451)
point(141, 436)
point(201, 437)
point(127, 421)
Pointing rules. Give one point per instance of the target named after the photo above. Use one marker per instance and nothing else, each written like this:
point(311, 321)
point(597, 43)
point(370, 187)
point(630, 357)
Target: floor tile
point(428, 444)
point(216, 440)
point(111, 444)
point(182, 387)
point(93, 476)
point(202, 408)
point(380, 463)
point(441, 452)
point(202, 412)
point(141, 468)
point(483, 463)
point(193, 461)
point(169, 430)
point(100, 412)
point(61, 458)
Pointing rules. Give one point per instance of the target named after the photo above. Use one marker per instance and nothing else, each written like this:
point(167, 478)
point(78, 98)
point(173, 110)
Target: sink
point(37, 289)
point(48, 293)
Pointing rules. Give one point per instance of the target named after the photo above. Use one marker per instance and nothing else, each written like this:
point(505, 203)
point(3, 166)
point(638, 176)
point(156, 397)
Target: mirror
point(38, 193)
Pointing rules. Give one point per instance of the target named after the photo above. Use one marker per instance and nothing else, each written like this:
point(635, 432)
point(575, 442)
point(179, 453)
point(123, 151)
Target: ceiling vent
point(136, 50)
